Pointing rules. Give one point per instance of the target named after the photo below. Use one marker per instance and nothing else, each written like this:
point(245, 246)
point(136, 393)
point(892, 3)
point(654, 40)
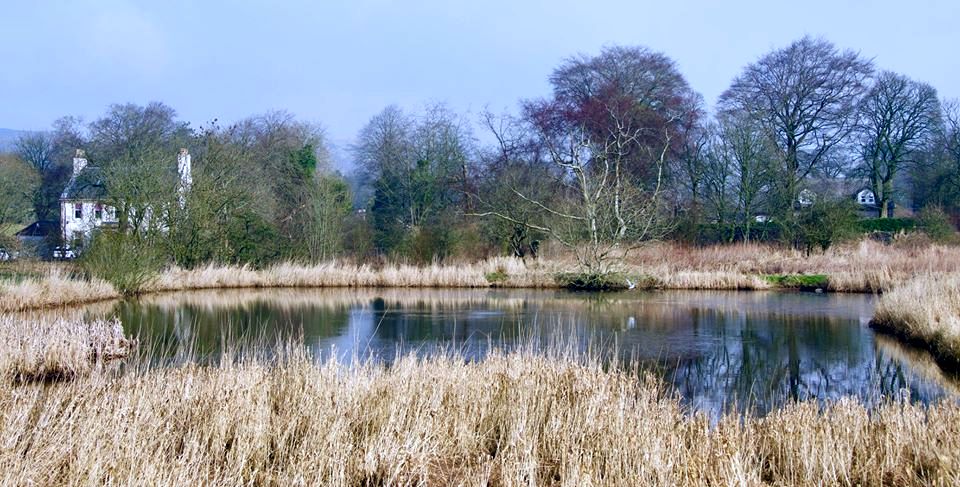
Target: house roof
point(40, 229)
point(88, 185)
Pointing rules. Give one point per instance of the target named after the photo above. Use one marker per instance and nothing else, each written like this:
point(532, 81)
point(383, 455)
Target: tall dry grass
point(41, 350)
point(54, 289)
point(863, 267)
point(925, 311)
point(339, 274)
point(511, 419)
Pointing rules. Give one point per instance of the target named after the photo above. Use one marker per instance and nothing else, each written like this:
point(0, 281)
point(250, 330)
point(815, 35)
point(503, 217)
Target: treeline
point(621, 151)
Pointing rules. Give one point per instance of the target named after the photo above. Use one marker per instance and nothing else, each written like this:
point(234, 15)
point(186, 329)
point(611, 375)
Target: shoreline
point(925, 312)
point(864, 267)
point(103, 292)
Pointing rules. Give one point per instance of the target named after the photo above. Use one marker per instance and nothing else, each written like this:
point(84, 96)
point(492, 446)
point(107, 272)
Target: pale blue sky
point(338, 63)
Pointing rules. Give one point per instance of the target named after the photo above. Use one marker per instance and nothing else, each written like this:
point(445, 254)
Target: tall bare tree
point(419, 168)
point(609, 130)
point(897, 116)
point(626, 89)
point(806, 94)
point(608, 210)
point(36, 149)
point(751, 153)
point(690, 164)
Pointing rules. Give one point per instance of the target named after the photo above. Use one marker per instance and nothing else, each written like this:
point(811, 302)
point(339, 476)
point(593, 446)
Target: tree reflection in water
point(752, 351)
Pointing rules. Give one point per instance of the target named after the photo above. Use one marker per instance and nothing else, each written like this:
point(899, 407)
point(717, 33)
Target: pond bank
point(925, 312)
point(510, 419)
point(863, 267)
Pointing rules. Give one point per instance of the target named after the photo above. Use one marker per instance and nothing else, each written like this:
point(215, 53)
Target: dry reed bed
point(55, 289)
point(515, 419)
point(925, 311)
point(863, 267)
point(337, 274)
point(57, 349)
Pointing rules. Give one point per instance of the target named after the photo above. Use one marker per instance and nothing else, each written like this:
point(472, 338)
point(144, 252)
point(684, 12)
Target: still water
point(744, 350)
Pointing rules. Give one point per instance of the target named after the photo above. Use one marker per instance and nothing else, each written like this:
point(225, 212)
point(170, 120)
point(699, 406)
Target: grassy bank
point(926, 312)
point(44, 350)
point(863, 267)
point(515, 419)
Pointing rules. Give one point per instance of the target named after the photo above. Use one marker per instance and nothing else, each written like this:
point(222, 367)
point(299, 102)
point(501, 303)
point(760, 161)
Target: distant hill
point(8, 137)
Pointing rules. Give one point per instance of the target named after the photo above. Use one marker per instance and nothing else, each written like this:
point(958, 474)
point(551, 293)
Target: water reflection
point(751, 351)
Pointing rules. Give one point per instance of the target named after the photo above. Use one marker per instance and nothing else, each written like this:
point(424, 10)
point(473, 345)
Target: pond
point(722, 350)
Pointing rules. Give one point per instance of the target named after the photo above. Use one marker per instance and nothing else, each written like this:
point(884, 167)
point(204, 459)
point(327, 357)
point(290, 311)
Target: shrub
point(824, 224)
point(125, 261)
point(496, 277)
point(936, 224)
point(799, 281)
point(886, 225)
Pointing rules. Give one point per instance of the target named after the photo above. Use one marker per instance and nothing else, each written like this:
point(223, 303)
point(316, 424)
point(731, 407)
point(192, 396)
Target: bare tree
point(135, 148)
point(419, 170)
point(896, 117)
point(718, 176)
point(36, 149)
point(627, 89)
point(608, 211)
point(515, 175)
point(609, 130)
point(751, 152)
point(690, 161)
point(951, 115)
point(806, 94)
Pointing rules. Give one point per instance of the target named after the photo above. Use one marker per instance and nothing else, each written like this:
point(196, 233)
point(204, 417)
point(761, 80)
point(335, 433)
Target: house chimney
point(79, 161)
point(183, 169)
point(186, 178)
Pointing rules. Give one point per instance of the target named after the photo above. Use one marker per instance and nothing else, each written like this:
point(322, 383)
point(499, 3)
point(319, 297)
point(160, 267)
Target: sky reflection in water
point(721, 350)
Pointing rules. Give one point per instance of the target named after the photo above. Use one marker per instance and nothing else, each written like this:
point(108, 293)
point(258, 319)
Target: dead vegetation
point(511, 419)
point(35, 350)
point(925, 311)
point(866, 266)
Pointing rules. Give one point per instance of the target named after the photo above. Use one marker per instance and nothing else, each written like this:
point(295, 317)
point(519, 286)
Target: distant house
point(82, 207)
point(82, 203)
point(856, 190)
point(866, 201)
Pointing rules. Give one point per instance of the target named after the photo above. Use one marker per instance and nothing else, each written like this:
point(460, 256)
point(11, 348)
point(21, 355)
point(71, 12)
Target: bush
point(497, 277)
point(887, 225)
point(125, 261)
point(936, 224)
point(799, 281)
point(824, 224)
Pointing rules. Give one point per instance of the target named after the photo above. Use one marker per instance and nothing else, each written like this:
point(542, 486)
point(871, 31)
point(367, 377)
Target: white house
point(865, 197)
point(82, 207)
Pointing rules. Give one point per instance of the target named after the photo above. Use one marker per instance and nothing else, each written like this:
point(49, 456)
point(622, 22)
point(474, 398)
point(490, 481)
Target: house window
point(111, 213)
point(98, 212)
point(78, 211)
